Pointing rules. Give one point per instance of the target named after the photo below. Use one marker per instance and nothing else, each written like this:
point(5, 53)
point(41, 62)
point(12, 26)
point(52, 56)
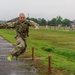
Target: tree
point(66, 22)
point(43, 21)
point(39, 21)
point(58, 20)
point(34, 19)
point(53, 21)
point(49, 22)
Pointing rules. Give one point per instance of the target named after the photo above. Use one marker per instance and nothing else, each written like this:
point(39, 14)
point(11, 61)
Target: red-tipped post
point(49, 64)
point(32, 53)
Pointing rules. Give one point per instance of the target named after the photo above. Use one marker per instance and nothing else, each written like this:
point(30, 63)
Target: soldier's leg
point(20, 48)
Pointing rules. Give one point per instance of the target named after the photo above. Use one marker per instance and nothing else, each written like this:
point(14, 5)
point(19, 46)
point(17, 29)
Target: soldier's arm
point(7, 26)
point(3, 26)
point(11, 25)
point(34, 24)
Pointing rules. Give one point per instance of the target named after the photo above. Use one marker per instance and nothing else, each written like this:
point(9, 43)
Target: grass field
point(60, 45)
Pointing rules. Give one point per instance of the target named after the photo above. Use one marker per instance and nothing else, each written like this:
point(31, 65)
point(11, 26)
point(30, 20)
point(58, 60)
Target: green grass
point(60, 45)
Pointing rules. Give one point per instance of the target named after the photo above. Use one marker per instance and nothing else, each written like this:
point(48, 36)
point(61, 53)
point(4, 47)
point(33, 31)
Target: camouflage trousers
point(21, 46)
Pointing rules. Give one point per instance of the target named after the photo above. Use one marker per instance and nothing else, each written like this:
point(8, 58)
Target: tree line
point(53, 22)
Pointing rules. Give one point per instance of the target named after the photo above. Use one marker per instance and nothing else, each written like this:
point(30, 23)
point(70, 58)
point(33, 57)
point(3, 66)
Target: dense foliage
point(54, 21)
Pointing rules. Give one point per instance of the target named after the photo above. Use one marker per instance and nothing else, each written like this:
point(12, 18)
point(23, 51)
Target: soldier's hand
point(36, 28)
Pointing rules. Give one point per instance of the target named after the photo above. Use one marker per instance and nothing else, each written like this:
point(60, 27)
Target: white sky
point(47, 9)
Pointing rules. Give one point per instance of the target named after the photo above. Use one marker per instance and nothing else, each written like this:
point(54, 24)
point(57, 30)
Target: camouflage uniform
point(22, 29)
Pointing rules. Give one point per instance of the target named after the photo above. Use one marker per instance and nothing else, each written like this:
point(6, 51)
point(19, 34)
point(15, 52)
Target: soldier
point(22, 29)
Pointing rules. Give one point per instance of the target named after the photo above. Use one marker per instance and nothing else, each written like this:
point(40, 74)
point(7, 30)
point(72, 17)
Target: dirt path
point(14, 67)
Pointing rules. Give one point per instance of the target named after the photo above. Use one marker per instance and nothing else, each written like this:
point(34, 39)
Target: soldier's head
point(22, 17)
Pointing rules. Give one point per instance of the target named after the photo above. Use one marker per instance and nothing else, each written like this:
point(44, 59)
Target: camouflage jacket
point(22, 28)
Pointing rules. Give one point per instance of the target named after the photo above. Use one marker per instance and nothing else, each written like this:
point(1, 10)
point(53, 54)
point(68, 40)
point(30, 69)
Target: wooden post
point(32, 53)
point(49, 65)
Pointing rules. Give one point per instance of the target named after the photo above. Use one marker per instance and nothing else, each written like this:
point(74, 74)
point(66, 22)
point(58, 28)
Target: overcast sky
point(47, 9)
